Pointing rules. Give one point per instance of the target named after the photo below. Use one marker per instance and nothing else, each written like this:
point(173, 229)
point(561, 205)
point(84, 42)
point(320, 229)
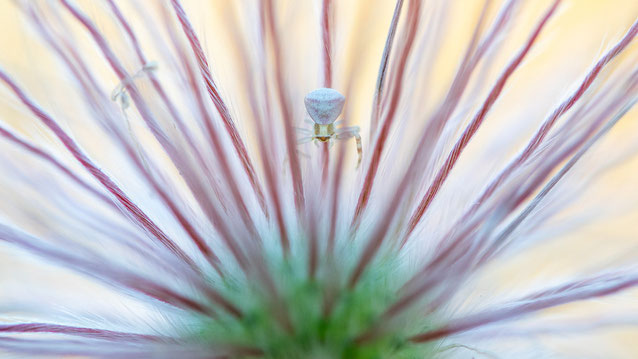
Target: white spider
point(324, 105)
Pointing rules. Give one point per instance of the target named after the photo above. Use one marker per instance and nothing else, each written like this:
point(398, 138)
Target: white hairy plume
point(180, 178)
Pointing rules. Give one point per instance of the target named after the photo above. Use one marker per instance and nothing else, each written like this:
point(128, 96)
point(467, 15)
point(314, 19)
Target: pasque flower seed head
point(172, 203)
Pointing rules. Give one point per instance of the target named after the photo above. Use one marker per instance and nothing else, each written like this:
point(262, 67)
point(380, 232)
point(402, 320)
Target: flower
point(180, 199)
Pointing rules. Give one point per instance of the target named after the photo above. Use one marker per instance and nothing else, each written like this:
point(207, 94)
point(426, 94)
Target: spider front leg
point(344, 133)
point(301, 141)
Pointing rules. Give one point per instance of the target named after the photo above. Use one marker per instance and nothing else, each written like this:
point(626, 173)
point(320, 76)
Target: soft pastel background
point(575, 38)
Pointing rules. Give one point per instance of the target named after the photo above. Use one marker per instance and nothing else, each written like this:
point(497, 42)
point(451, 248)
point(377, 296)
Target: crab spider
point(324, 105)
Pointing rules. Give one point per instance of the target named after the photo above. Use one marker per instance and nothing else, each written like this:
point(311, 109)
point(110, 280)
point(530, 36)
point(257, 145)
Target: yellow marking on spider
point(324, 105)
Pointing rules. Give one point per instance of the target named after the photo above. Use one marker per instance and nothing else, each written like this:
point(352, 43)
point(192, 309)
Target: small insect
point(119, 94)
point(324, 105)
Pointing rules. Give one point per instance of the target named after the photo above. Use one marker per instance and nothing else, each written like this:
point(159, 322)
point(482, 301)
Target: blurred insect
point(324, 105)
point(120, 95)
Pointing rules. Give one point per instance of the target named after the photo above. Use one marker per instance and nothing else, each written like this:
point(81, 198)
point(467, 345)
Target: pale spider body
point(324, 105)
point(323, 133)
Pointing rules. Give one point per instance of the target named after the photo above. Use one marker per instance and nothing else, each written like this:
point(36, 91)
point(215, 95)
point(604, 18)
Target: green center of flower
point(327, 319)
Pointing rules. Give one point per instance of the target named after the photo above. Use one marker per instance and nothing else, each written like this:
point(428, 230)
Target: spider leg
point(303, 140)
point(348, 132)
point(303, 130)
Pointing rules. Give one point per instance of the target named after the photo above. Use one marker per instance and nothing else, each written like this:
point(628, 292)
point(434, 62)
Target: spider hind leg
point(344, 133)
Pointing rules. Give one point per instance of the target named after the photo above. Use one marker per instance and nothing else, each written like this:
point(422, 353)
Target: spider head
point(324, 105)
